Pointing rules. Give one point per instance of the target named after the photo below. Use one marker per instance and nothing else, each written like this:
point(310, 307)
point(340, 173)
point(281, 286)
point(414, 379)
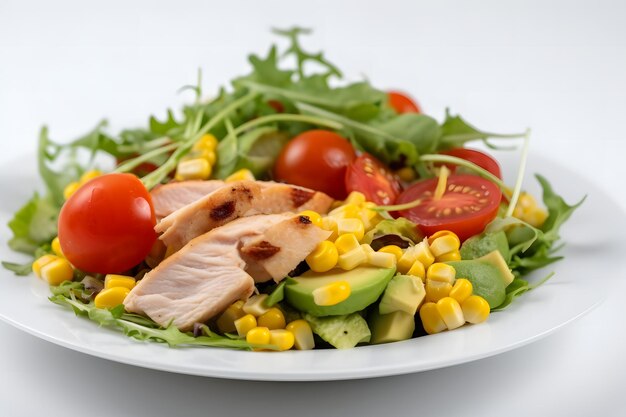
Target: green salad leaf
point(19, 269)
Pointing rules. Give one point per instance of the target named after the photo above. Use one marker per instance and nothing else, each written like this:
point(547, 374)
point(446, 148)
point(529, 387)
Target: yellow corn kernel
point(367, 249)
point(324, 257)
point(112, 280)
point(41, 262)
point(417, 270)
point(282, 339)
point(272, 319)
point(56, 247)
point(330, 224)
point(111, 297)
point(461, 289)
point(206, 141)
point(210, 156)
point(258, 336)
point(450, 256)
point(423, 254)
point(535, 217)
point(70, 189)
point(441, 272)
point(443, 242)
point(332, 294)
point(395, 250)
point(57, 271)
point(346, 211)
point(406, 174)
point(475, 309)
point(450, 311)
point(436, 290)
point(346, 243)
point(89, 175)
point(352, 226)
point(256, 305)
point(352, 259)
point(226, 321)
point(244, 324)
point(369, 217)
point(315, 218)
point(241, 175)
point(381, 259)
point(303, 335)
point(193, 169)
point(355, 198)
point(431, 320)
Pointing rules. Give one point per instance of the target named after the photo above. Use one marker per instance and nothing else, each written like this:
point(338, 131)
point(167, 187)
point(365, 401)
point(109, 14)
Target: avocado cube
point(403, 293)
point(392, 327)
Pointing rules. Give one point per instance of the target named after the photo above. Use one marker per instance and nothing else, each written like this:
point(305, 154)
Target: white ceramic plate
point(593, 242)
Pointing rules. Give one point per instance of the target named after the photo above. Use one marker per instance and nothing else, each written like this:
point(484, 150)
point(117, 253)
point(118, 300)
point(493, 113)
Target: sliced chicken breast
point(168, 198)
point(208, 274)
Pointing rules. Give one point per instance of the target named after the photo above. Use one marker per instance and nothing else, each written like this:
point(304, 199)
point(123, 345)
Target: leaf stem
point(520, 175)
point(288, 118)
point(135, 162)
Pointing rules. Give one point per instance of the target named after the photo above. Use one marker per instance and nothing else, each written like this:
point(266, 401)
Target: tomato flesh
point(316, 159)
point(468, 205)
point(107, 225)
point(479, 158)
point(369, 176)
point(402, 103)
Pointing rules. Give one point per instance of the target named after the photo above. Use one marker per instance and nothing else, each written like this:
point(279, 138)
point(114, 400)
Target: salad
point(290, 211)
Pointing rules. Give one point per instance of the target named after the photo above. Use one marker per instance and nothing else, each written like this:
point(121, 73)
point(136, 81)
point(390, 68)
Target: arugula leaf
point(558, 210)
point(456, 132)
point(33, 225)
point(423, 132)
point(517, 288)
point(163, 128)
point(19, 269)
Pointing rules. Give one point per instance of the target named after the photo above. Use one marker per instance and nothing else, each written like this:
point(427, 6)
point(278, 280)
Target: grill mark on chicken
point(300, 197)
point(304, 219)
point(261, 250)
point(224, 211)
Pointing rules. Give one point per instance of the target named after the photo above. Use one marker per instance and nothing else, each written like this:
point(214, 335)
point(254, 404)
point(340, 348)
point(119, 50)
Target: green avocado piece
point(488, 274)
point(392, 327)
point(480, 245)
point(403, 293)
point(343, 332)
point(366, 285)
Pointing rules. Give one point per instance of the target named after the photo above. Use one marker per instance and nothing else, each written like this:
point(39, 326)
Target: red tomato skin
point(464, 225)
point(376, 182)
point(479, 158)
point(107, 225)
point(316, 159)
point(402, 103)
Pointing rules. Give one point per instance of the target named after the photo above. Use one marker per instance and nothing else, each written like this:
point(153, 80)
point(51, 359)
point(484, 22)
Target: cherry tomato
point(107, 225)
point(316, 159)
point(481, 159)
point(402, 103)
point(276, 105)
point(468, 205)
point(140, 170)
point(370, 177)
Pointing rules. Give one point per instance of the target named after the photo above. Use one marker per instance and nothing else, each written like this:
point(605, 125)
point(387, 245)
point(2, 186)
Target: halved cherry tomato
point(402, 103)
point(469, 203)
point(107, 225)
point(370, 177)
point(481, 159)
point(316, 159)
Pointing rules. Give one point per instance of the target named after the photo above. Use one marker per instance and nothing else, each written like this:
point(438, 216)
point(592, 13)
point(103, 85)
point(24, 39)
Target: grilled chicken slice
point(215, 209)
point(208, 274)
point(168, 198)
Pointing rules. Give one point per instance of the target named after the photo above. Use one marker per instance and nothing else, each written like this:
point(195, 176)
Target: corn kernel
point(346, 211)
point(475, 309)
point(70, 189)
point(57, 271)
point(112, 280)
point(382, 259)
point(423, 254)
point(431, 319)
point(210, 156)
point(206, 141)
point(443, 242)
point(395, 250)
point(111, 297)
point(536, 216)
point(436, 290)
point(56, 247)
point(193, 169)
point(352, 226)
point(41, 262)
point(258, 336)
point(226, 321)
point(282, 339)
point(406, 174)
point(89, 175)
point(256, 305)
point(355, 198)
point(302, 333)
point(244, 324)
point(451, 313)
point(330, 224)
point(417, 270)
point(324, 257)
point(272, 319)
point(346, 243)
point(352, 259)
point(241, 175)
point(313, 216)
point(450, 256)
point(441, 272)
point(332, 294)
point(461, 289)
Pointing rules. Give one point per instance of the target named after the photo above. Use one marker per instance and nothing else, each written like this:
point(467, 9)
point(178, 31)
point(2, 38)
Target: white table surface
point(559, 68)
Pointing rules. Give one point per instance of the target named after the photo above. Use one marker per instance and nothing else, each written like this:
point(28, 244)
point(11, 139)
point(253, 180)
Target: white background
point(557, 67)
